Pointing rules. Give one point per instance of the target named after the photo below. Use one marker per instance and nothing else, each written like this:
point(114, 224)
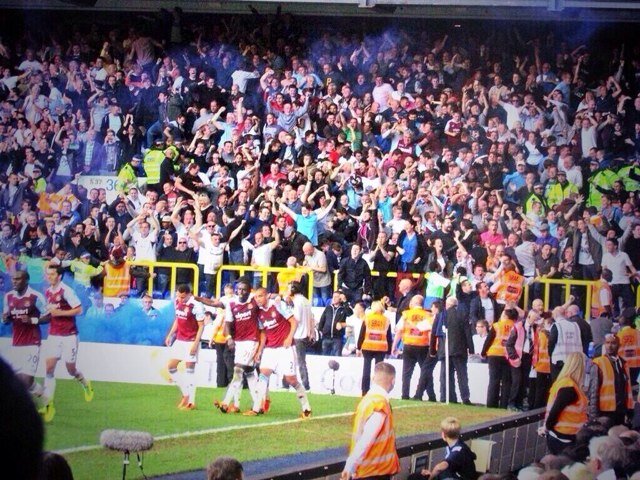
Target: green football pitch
point(188, 440)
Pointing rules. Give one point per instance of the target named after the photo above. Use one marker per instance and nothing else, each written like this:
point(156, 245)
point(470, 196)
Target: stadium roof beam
point(540, 10)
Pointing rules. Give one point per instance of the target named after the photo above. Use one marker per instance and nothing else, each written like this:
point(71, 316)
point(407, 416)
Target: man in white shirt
point(305, 329)
point(143, 232)
point(261, 256)
point(620, 265)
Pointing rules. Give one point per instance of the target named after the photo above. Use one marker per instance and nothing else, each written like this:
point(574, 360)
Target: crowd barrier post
point(173, 266)
point(242, 269)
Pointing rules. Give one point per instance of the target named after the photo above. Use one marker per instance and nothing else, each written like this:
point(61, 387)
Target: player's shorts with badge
point(25, 359)
point(281, 360)
point(63, 347)
point(181, 350)
point(244, 352)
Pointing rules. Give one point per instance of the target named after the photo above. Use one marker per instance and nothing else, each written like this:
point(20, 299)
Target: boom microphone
point(126, 440)
point(333, 365)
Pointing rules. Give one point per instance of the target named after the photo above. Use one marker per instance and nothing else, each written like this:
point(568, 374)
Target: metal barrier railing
point(172, 277)
point(547, 282)
point(242, 269)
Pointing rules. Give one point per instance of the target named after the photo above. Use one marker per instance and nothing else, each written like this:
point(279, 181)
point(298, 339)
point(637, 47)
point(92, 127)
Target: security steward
point(414, 329)
point(610, 386)
point(496, 353)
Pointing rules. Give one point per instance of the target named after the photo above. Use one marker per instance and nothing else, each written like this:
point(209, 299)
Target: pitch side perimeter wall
point(142, 364)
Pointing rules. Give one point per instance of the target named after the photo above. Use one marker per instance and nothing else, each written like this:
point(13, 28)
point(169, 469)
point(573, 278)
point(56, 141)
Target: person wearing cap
point(128, 175)
point(560, 190)
point(83, 271)
point(537, 195)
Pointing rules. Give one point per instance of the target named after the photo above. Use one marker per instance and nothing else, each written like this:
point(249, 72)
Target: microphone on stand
point(127, 442)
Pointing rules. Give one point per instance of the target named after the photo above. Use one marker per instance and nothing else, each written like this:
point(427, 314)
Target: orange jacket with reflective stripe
point(117, 279)
point(597, 308)
point(574, 416)
point(381, 458)
point(630, 346)
point(607, 392)
point(541, 361)
point(411, 334)
point(219, 336)
point(510, 287)
point(503, 329)
point(375, 334)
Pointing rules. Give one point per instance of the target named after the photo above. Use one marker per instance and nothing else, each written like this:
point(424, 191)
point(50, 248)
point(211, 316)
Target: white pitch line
point(231, 428)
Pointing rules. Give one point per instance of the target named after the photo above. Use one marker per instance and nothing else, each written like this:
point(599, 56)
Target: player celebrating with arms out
point(63, 305)
point(184, 340)
point(25, 309)
point(278, 325)
point(242, 329)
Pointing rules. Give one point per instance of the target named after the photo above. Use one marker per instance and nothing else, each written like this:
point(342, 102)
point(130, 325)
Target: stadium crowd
point(468, 167)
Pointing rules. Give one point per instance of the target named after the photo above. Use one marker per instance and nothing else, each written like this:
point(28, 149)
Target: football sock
point(79, 377)
point(261, 391)
point(49, 386)
point(233, 391)
point(302, 396)
point(190, 385)
point(36, 389)
point(177, 378)
point(252, 382)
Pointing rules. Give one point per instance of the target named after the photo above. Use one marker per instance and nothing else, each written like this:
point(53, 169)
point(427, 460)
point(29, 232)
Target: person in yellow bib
point(414, 330)
point(374, 341)
point(630, 343)
point(373, 442)
point(567, 406)
point(609, 385)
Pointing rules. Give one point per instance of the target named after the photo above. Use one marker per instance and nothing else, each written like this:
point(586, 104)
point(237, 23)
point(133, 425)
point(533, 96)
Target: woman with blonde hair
point(567, 405)
point(374, 341)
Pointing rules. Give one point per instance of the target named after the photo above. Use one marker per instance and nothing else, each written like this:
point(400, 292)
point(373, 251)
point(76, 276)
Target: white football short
point(62, 347)
point(181, 350)
point(25, 359)
point(280, 359)
point(245, 351)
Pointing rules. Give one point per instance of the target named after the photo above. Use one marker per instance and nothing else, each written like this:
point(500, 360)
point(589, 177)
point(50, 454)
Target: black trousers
point(520, 382)
point(457, 367)
point(425, 382)
point(366, 368)
point(499, 382)
point(411, 356)
point(556, 447)
point(224, 365)
point(542, 386)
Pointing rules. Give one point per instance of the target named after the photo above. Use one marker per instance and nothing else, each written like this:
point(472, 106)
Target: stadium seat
point(482, 449)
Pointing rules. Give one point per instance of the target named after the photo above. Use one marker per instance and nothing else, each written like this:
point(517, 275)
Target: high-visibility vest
point(528, 204)
point(574, 416)
point(607, 392)
point(510, 287)
point(603, 179)
point(541, 361)
point(597, 308)
point(503, 329)
point(127, 178)
point(381, 458)
point(557, 192)
point(521, 337)
point(411, 334)
point(568, 340)
point(152, 161)
point(117, 280)
point(630, 185)
point(630, 346)
point(375, 335)
point(219, 336)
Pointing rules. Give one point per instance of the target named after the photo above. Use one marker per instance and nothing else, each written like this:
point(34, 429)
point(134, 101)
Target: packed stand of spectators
point(482, 165)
